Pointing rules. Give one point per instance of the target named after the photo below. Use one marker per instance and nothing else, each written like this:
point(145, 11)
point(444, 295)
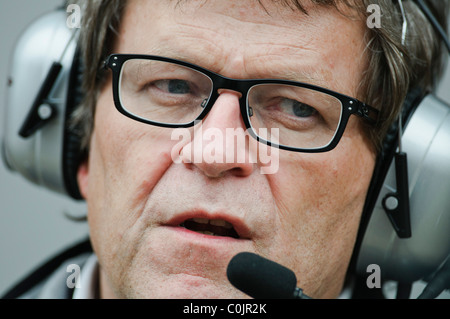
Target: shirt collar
point(89, 284)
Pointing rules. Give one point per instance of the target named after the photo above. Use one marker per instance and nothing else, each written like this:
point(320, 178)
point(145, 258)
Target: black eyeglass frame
point(350, 105)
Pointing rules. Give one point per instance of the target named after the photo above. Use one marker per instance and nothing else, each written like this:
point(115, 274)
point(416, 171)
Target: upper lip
point(238, 224)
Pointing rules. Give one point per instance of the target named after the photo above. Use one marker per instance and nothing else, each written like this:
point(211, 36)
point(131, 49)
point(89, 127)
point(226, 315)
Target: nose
point(220, 144)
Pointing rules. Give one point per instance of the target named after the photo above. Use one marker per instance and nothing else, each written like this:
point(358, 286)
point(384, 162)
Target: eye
point(297, 108)
point(173, 86)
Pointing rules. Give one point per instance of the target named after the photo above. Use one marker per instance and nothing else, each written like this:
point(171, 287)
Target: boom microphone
point(261, 278)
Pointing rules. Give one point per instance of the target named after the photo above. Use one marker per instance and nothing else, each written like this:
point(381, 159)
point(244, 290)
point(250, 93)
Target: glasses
point(290, 115)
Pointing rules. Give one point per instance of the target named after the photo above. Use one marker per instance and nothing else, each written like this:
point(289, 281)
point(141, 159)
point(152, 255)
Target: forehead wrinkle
point(264, 70)
point(169, 47)
point(300, 5)
point(272, 8)
point(276, 48)
point(268, 65)
point(207, 51)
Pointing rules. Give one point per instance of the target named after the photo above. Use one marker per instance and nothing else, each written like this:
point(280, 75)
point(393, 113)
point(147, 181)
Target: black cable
point(403, 290)
point(439, 283)
point(426, 10)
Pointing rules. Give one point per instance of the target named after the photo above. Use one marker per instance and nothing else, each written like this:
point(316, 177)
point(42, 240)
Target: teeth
point(206, 233)
point(221, 223)
point(216, 227)
point(201, 220)
point(215, 222)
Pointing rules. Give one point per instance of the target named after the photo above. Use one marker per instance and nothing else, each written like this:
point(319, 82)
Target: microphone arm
point(299, 294)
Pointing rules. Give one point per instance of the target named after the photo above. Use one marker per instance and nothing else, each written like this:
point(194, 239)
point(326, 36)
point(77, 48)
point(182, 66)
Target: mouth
point(210, 227)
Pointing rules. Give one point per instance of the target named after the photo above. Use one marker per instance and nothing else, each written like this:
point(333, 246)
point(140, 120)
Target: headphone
point(44, 87)
point(405, 225)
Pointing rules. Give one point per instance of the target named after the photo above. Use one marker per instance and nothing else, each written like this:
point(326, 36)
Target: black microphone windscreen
point(261, 278)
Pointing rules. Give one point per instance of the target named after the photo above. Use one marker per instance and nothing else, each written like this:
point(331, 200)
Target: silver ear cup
point(39, 157)
point(426, 140)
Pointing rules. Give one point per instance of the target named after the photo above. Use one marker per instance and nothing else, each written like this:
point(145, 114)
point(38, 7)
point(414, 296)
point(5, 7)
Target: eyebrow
point(304, 74)
point(307, 75)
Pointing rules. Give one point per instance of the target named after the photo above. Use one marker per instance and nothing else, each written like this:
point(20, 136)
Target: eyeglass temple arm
point(367, 112)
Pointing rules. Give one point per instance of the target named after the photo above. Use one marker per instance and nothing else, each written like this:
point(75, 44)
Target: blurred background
point(33, 222)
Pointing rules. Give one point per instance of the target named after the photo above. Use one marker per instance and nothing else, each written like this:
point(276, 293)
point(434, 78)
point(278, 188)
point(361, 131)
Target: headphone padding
point(72, 155)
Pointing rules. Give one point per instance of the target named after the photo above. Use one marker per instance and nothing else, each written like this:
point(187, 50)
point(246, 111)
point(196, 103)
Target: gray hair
point(393, 68)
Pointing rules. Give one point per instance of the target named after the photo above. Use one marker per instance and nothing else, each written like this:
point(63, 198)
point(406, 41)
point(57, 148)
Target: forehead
point(246, 38)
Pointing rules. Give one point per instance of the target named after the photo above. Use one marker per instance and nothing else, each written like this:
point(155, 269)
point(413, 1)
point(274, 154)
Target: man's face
point(304, 216)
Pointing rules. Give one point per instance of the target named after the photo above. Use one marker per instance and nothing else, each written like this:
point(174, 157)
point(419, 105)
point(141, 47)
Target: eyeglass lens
point(287, 115)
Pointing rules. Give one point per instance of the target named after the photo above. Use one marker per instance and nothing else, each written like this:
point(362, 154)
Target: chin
point(180, 287)
point(201, 293)
point(206, 290)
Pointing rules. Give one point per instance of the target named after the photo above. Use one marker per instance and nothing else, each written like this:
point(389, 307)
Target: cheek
point(127, 157)
point(320, 198)
point(326, 183)
point(320, 184)
point(126, 161)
